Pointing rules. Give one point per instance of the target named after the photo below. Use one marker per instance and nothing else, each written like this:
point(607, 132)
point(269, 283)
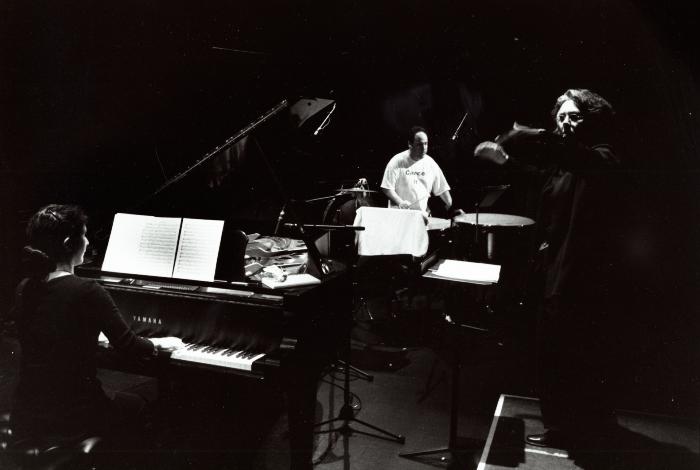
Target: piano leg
point(301, 383)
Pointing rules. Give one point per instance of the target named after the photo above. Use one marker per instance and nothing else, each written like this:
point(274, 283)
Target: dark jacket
point(575, 215)
point(58, 393)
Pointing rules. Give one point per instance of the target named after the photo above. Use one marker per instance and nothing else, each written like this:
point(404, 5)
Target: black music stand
point(449, 454)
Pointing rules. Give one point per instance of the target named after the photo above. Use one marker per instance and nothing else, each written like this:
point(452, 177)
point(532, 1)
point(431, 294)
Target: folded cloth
point(391, 232)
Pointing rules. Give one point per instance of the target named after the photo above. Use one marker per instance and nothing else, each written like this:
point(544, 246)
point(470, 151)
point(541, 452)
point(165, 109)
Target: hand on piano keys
point(167, 343)
point(102, 341)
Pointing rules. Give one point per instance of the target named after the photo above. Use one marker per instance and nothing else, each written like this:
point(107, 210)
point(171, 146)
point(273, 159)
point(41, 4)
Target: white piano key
point(222, 357)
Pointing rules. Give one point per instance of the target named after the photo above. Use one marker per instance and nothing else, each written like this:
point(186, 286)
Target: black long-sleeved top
point(575, 213)
point(59, 322)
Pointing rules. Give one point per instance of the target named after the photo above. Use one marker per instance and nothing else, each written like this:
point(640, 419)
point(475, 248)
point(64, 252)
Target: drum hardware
point(491, 194)
point(323, 198)
point(356, 190)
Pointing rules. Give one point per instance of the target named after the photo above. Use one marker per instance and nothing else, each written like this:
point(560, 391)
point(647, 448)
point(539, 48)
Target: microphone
point(361, 183)
point(325, 121)
point(454, 136)
point(279, 220)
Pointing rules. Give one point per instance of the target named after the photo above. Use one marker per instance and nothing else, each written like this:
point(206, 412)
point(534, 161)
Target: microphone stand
point(456, 133)
point(279, 218)
point(459, 127)
point(346, 415)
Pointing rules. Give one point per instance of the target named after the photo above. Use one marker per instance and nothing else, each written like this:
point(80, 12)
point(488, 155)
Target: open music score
point(164, 246)
point(198, 249)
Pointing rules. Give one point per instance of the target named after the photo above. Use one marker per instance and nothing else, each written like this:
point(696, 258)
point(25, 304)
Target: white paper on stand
point(142, 244)
point(164, 246)
point(198, 249)
point(468, 271)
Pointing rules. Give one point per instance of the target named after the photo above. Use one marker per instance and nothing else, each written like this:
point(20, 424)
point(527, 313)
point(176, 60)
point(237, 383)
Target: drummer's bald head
point(415, 130)
point(418, 143)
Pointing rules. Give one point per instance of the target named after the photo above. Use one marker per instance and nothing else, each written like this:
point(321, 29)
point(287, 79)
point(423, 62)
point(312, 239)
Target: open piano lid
point(245, 181)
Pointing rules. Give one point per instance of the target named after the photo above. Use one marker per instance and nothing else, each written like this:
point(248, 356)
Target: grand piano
point(234, 327)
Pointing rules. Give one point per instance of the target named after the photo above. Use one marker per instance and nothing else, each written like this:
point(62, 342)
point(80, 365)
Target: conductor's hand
point(520, 135)
point(404, 204)
point(491, 151)
point(167, 343)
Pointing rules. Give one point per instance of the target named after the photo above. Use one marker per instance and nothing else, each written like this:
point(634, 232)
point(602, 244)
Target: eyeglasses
point(573, 117)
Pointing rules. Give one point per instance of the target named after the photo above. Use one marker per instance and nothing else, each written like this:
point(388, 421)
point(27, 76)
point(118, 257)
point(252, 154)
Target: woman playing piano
point(59, 398)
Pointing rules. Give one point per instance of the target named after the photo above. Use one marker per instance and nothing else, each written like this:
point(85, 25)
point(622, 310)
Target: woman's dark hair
point(52, 233)
point(598, 114)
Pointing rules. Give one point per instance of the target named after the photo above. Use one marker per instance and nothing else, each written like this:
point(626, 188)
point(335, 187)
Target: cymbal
point(356, 190)
point(487, 219)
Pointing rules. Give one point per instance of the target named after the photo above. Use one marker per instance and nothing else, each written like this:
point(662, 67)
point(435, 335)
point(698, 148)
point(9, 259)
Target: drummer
point(412, 176)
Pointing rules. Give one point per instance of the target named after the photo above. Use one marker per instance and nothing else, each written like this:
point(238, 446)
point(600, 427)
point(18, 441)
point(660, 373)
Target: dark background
point(102, 102)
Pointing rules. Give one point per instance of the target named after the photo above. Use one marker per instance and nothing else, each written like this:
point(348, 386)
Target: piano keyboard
point(167, 285)
point(204, 354)
point(223, 357)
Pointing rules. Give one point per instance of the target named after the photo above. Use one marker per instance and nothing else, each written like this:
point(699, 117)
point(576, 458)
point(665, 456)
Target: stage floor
point(639, 441)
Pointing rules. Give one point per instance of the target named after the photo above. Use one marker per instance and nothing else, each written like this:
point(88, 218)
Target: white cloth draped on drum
point(391, 232)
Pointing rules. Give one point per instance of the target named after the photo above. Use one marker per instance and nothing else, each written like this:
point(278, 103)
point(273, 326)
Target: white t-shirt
point(414, 181)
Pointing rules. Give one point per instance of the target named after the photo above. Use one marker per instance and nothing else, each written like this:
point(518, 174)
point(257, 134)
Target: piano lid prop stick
point(325, 121)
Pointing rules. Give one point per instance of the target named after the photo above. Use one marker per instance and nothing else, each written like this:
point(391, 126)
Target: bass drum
point(341, 210)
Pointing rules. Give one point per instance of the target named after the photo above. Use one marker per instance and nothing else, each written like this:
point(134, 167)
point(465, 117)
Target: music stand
point(447, 455)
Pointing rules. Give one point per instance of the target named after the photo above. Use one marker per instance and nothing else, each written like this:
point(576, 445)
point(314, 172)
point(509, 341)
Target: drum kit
point(483, 237)
point(342, 206)
point(480, 236)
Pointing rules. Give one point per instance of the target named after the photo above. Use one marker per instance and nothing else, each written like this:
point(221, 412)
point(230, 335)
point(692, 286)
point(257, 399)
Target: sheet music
point(293, 280)
point(468, 271)
point(198, 249)
point(141, 244)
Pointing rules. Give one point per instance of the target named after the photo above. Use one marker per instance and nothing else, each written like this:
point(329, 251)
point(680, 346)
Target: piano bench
point(32, 455)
